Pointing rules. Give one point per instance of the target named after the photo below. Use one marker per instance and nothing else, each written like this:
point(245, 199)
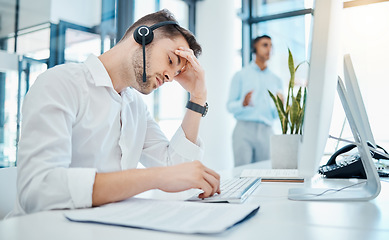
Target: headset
point(144, 35)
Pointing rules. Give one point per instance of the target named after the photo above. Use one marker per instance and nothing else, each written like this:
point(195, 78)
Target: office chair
point(7, 190)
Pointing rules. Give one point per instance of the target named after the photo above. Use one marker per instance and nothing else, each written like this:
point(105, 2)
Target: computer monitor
point(353, 90)
point(322, 82)
point(368, 189)
point(352, 87)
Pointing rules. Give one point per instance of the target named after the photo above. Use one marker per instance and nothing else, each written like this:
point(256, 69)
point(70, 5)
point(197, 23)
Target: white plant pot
point(284, 150)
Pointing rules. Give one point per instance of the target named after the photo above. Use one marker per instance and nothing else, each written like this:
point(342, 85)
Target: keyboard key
point(233, 190)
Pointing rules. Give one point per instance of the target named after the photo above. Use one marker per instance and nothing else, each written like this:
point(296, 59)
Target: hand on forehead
point(183, 63)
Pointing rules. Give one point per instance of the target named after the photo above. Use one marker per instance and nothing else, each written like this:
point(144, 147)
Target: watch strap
point(198, 108)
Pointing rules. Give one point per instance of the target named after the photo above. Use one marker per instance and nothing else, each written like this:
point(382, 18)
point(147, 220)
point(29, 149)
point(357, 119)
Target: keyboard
point(233, 190)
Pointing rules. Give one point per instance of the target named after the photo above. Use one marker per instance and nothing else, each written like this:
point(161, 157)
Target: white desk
point(278, 218)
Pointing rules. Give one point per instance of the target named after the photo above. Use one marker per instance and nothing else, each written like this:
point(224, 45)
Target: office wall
point(216, 32)
point(365, 37)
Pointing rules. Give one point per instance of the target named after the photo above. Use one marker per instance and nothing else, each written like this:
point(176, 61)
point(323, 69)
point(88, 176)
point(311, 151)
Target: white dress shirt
point(75, 124)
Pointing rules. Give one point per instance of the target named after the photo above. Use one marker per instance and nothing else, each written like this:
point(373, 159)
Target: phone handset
point(350, 167)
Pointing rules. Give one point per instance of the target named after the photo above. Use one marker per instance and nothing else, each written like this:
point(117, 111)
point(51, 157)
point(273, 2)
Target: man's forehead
point(264, 40)
point(173, 44)
point(181, 42)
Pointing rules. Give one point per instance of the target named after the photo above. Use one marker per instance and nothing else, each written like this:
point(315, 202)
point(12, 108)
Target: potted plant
point(284, 148)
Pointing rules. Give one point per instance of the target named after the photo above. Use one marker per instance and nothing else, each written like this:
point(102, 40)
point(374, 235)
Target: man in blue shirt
point(252, 106)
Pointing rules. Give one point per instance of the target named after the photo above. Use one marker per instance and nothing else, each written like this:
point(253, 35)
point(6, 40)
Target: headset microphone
point(144, 35)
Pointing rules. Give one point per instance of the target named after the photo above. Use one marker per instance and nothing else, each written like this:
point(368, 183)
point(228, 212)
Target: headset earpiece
point(143, 32)
point(144, 35)
point(147, 32)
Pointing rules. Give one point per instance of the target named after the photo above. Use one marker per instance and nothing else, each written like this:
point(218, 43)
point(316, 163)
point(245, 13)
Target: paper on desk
point(169, 216)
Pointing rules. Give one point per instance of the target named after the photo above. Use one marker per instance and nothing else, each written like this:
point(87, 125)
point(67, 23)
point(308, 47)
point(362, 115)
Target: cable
point(330, 190)
point(341, 133)
point(336, 190)
point(343, 140)
point(144, 58)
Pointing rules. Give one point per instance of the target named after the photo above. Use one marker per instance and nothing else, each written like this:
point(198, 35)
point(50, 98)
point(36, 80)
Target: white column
point(216, 33)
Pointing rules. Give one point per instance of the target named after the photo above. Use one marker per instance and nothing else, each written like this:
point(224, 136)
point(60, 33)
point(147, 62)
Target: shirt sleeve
point(45, 179)
point(185, 148)
point(159, 151)
point(235, 98)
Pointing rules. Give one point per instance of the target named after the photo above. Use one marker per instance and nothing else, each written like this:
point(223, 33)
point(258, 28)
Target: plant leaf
point(292, 116)
point(280, 109)
point(298, 96)
point(292, 72)
point(291, 68)
point(303, 110)
point(299, 65)
point(294, 113)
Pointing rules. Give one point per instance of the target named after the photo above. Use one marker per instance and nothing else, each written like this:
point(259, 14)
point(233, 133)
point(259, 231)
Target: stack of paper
point(170, 216)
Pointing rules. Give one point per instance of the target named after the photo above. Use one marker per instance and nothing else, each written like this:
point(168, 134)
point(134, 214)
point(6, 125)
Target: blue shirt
point(262, 108)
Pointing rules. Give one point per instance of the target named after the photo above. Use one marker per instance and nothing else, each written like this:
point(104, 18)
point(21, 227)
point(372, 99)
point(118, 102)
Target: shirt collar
point(255, 66)
point(101, 78)
point(128, 94)
point(98, 71)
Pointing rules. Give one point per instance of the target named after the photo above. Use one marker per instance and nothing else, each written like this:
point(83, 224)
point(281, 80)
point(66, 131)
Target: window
point(270, 7)
point(80, 44)
point(292, 33)
point(9, 80)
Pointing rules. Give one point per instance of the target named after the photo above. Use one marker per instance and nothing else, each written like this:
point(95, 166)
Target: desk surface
point(278, 218)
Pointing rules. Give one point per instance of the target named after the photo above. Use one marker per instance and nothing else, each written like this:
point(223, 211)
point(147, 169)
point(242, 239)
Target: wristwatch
point(198, 108)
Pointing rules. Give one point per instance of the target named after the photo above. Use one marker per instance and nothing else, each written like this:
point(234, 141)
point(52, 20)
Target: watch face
point(205, 109)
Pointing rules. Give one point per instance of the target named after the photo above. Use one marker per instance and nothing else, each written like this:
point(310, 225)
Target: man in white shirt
point(85, 128)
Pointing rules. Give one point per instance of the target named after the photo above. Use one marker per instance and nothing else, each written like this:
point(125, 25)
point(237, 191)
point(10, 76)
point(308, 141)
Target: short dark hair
point(257, 40)
point(168, 31)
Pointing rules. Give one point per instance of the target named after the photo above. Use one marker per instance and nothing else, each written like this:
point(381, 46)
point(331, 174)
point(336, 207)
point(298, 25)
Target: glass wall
point(270, 7)
point(34, 44)
point(80, 44)
point(9, 121)
point(288, 33)
point(8, 101)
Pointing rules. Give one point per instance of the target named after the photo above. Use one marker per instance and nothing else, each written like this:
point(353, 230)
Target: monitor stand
point(361, 191)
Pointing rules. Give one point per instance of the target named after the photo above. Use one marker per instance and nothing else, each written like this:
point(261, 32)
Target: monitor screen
point(322, 80)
